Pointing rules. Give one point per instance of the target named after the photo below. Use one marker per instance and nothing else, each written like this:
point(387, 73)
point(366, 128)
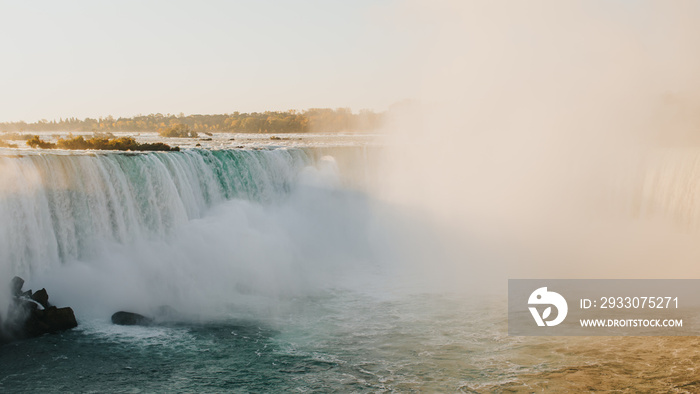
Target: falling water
point(57, 207)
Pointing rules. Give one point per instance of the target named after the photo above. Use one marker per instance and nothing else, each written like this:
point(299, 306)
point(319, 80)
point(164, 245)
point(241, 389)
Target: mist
point(536, 130)
point(240, 257)
point(534, 149)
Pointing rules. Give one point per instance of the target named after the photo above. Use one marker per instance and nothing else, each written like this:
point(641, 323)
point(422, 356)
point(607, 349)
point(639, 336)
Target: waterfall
point(57, 206)
point(663, 184)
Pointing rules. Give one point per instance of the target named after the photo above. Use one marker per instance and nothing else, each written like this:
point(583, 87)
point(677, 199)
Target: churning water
point(276, 273)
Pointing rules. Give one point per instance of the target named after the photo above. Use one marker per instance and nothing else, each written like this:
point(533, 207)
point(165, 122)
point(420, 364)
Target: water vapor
point(530, 139)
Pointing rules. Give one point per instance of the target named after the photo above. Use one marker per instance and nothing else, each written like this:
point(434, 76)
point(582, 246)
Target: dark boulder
point(59, 319)
point(131, 319)
point(48, 320)
point(31, 317)
point(41, 297)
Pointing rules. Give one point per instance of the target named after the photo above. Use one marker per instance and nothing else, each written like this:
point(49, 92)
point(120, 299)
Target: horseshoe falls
point(267, 270)
point(61, 207)
point(270, 265)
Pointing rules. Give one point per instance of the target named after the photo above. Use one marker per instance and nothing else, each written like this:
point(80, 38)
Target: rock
point(41, 297)
point(31, 317)
point(59, 319)
point(49, 320)
point(16, 286)
point(130, 319)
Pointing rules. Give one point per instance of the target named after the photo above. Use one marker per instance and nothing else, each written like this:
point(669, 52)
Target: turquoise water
point(57, 207)
point(284, 278)
point(334, 342)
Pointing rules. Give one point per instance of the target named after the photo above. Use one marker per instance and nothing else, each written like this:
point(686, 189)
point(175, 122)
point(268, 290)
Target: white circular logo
point(543, 297)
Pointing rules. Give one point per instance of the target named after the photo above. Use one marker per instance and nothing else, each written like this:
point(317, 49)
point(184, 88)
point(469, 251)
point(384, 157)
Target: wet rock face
point(31, 315)
point(42, 297)
point(49, 320)
point(131, 319)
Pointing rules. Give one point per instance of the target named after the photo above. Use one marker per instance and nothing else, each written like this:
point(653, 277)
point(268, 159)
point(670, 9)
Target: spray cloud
point(530, 118)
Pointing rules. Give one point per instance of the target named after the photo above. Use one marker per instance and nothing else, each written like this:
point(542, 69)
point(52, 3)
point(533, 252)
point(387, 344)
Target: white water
point(206, 232)
point(276, 242)
point(187, 229)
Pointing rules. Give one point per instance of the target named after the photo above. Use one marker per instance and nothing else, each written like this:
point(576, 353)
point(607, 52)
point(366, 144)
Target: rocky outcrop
point(51, 319)
point(131, 319)
point(42, 297)
point(31, 315)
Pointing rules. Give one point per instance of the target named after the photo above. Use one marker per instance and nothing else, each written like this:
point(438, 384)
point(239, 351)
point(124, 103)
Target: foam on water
point(280, 277)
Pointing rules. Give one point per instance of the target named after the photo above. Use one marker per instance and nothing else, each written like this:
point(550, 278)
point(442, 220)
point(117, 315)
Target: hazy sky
point(94, 58)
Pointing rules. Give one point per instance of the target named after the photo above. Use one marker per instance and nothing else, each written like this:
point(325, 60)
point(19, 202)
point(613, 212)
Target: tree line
point(313, 120)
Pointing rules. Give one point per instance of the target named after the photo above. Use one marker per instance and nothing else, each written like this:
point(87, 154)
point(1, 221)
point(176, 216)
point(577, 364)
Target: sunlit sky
point(96, 58)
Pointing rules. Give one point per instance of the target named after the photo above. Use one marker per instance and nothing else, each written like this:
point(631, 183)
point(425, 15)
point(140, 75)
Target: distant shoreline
point(312, 120)
point(224, 140)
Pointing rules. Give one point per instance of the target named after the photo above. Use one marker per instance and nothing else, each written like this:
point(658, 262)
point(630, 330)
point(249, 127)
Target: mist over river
point(281, 268)
point(344, 194)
